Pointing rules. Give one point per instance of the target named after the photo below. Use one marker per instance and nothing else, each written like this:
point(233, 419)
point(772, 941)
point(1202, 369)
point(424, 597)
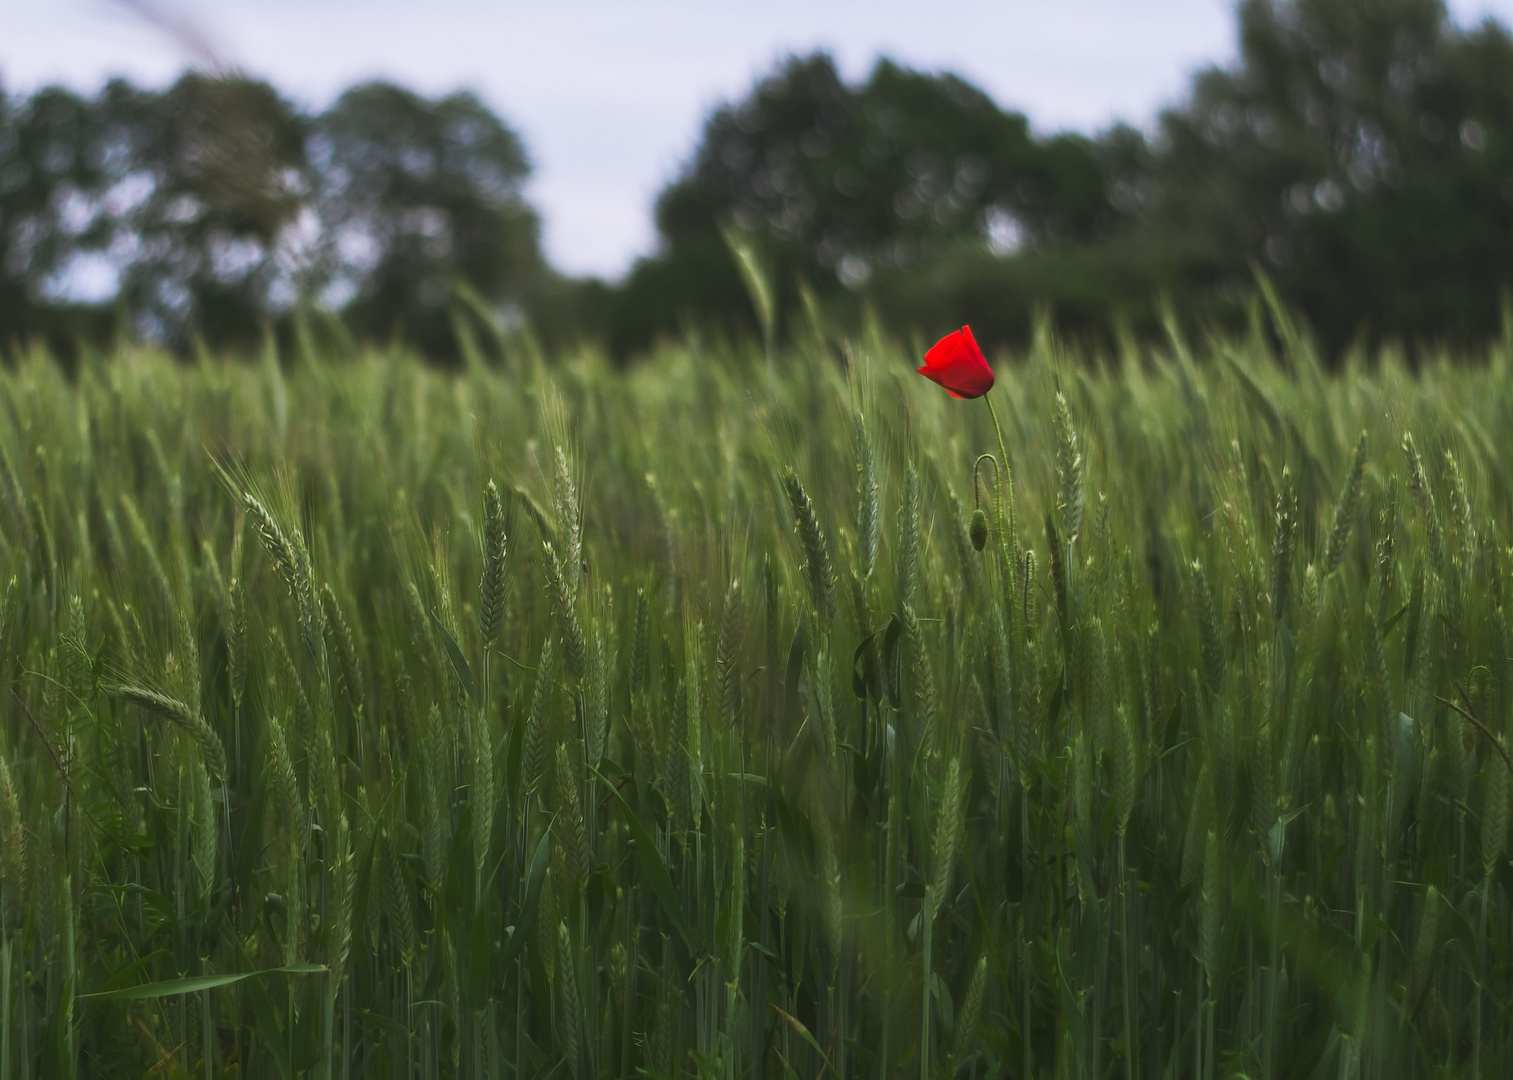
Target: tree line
point(1359, 152)
point(213, 209)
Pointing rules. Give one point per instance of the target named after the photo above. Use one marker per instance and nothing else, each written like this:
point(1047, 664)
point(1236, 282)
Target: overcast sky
point(609, 94)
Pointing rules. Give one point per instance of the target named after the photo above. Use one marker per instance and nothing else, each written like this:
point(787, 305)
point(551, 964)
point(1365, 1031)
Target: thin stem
point(1024, 928)
point(1273, 981)
point(1008, 471)
point(927, 931)
point(205, 1027)
point(1481, 940)
point(5, 1003)
point(1198, 1073)
point(1124, 965)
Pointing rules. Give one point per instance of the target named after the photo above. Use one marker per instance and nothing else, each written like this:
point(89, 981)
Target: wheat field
point(749, 716)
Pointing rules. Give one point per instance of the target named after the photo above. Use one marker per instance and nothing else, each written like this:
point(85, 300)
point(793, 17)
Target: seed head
point(908, 543)
point(1068, 470)
point(491, 587)
point(1345, 509)
point(816, 552)
point(948, 823)
point(175, 711)
point(533, 750)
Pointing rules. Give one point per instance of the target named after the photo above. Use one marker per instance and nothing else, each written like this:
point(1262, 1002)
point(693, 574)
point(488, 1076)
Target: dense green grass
point(563, 721)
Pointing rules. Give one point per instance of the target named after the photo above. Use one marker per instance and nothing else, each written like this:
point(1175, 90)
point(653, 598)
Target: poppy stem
point(1006, 479)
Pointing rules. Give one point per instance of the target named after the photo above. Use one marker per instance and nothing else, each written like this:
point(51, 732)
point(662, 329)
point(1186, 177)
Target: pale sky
point(609, 95)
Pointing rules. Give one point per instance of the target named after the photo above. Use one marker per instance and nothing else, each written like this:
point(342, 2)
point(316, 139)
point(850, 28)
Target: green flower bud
point(979, 529)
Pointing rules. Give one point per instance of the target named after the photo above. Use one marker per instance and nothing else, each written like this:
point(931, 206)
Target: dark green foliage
point(413, 195)
point(210, 210)
point(1360, 151)
point(843, 182)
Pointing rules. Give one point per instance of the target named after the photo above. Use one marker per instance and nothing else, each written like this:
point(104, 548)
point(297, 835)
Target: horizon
point(607, 133)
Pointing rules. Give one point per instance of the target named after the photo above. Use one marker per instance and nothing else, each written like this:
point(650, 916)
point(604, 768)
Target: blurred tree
point(842, 181)
point(413, 194)
point(1361, 151)
point(873, 174)
point(173, 206)
point(205, 194)
point(212, 209)
point(43, 173)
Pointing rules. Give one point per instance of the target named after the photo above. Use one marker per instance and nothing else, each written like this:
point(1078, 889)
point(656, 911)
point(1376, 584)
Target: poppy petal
point(956, 363)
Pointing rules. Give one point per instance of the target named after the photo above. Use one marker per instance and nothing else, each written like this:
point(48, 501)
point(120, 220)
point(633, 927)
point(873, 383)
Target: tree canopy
point(842, 181)
point(210, 208)
point(1360, 152)
point(412, 196)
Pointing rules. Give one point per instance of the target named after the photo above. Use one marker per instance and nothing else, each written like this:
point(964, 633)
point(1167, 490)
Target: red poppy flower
point(956, 363)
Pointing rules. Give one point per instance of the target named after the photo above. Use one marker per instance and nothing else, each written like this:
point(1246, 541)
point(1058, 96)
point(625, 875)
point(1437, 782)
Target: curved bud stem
point(977, 476)
point(1006, 480)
